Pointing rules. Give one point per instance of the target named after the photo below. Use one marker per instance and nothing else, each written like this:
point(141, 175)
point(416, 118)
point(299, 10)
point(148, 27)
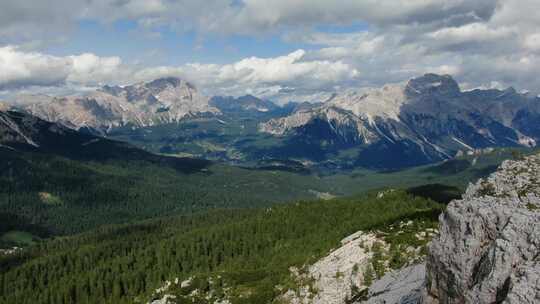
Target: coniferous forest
point(250, 249)
point(116, 230)
point(269, 151)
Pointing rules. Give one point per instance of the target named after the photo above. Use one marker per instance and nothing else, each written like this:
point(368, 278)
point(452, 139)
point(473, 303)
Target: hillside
point(241, 255)
point(61, 194)
point(62, 181)
point(361, 249)
point(55, 180)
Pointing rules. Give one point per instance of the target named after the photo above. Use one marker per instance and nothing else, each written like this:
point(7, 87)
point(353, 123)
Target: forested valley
point(250, 249)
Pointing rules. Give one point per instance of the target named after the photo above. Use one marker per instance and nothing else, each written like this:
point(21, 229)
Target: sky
point(299, 50)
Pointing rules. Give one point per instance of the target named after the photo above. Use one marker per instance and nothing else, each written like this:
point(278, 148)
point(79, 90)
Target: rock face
point(489, 244)
point(163, 100)
point(402, 286)
point(425, 120)
point(337, 277)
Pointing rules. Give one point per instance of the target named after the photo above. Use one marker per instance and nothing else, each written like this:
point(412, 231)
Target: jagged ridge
point(160, 101)
point(429, 115)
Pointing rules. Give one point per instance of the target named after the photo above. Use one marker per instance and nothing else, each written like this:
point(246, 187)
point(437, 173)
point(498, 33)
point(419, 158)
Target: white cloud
point(532, 42)
point(25, 17)
point(90, 69)
point(262, 15)
point(474, 32)
point(480, 42)
point(23, 69)
point(19, 69)
point(260, 74)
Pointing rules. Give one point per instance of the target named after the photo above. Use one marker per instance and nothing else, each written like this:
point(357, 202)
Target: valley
point(95, 181)
point(269, 152)
point(92, 206)
point(209, 209)
point(426, 120)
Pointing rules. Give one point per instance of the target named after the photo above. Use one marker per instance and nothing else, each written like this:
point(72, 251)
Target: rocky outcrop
point(339, 276)
point(346, 274)
point(489, 244)
point(403, 286)
point(16, 128)
point(215, 291)
point(487, 250)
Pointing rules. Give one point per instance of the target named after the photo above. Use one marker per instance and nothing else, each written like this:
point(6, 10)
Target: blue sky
point(163, 46)
point(311, 48)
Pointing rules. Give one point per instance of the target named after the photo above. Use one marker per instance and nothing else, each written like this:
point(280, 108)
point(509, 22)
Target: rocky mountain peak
point(430, 84)
point(165, 82)
point(164, 100)
point(154, 86)
point(113, 90)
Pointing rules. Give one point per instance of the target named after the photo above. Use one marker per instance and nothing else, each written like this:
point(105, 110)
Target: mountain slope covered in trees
point(250, 250)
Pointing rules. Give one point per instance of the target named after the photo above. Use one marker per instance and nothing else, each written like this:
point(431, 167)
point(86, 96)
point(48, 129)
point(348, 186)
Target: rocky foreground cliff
point(489, 244)
point(488, 248)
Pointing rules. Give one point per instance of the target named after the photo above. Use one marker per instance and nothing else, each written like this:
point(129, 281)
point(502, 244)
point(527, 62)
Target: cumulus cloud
point(261, 15)
point(20, 69)
point(90, 69)
point(480, 42)
point(474, 32)
point(502, 47)
point(23, 69)
point(263, 76)
point(260, 75)
point(233, 17)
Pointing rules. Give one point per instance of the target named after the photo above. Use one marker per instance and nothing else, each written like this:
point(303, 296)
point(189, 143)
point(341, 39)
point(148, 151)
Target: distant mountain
point(164, 100)
point(425, 120)
point(247, 103)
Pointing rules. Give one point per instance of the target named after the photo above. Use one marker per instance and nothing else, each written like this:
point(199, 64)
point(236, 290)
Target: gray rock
point(489, 241)
point(338, 274)
point(402, 286)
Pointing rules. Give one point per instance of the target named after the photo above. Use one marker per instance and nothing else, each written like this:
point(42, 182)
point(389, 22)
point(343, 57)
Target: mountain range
point(162, 227)
point(164, 100)
point(425, 120)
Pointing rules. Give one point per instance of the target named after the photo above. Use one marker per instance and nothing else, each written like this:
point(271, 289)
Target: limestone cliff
point(489, 242)
point(488, 248)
